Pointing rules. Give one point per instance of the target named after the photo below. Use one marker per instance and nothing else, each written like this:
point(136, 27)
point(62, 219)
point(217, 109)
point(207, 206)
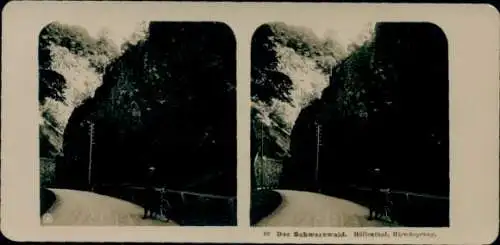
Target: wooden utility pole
point(261, 153)
point(318, 144)
point(91, 141)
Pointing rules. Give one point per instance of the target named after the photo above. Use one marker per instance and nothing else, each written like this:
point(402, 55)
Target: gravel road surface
point(307, 209)
point(86, 208)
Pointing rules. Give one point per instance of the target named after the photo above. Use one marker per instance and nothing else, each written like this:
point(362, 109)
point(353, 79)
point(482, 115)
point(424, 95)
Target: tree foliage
point(70, 65)
point(78, 41)
point(387, 107)
point(305, 42)
point(268, 81)
point(52, 85)
point(170, 101)
point(289, 67)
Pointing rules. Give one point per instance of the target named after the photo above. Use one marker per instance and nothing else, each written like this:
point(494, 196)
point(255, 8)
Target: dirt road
point(86, 208)
point(307, 209)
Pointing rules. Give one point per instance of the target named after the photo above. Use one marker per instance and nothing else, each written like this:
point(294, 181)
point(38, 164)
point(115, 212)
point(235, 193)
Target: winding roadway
point(73, 207)
point(307, 209)
point(298, 209)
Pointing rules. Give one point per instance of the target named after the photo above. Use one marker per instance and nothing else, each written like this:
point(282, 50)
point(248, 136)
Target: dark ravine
point(273, 89)
point(386, 107)
point(169, 101)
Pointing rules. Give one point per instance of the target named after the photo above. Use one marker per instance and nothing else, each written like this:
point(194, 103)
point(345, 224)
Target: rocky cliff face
point(290, 69)
point(70, 70)
point(81, 80)
point(386, 107)
point(168, 101)
point(71, 64)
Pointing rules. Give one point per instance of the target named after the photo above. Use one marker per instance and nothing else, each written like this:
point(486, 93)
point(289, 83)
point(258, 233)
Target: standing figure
point(150, 194)
point(375, 197)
